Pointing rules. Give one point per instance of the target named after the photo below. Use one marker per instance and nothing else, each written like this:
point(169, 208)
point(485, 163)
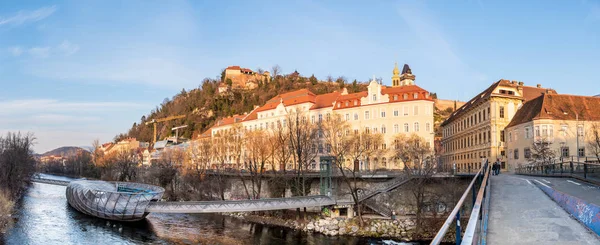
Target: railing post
point(458, 240)
point(585, 171)
point(571, 166)
point(561, 168)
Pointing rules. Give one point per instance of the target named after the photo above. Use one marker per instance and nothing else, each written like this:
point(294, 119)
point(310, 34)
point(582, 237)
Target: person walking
point(497, 163)
point(494, 168)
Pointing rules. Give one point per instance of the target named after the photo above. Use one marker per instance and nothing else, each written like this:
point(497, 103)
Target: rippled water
point(44, 217)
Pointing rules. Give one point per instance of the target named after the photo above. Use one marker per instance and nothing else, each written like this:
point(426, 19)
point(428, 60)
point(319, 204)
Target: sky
point(75, 71)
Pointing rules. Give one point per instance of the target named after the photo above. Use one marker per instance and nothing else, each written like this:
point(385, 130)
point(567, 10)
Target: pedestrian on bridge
point(496, 167)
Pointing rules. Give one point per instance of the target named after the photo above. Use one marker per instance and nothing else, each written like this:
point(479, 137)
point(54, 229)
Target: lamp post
point(577, 127)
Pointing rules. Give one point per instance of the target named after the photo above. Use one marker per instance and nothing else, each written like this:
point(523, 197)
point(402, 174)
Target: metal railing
point(476, 230)
point(581, 170)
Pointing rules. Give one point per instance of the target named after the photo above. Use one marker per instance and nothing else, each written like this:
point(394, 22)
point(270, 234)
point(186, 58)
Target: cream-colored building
point(244, 78)
point(404, 108)
point(564, 122)
point(476, 129)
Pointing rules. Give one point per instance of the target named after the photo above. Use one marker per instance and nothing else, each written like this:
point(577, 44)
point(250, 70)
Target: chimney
point(521, 83)
point(539, 85)
point(513, 82)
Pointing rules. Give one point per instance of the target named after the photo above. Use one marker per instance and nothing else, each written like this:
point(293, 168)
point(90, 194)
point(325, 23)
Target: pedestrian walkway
point(520, 213)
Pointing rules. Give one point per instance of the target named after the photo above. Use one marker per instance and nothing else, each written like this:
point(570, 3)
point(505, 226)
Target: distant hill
point(65, 151)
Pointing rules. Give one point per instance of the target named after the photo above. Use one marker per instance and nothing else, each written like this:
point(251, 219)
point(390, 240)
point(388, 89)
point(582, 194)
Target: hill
point(65, 151)
point(216, 98)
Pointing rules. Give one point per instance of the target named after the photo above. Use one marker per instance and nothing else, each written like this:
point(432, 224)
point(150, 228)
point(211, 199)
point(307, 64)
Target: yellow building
point(566, 123)
point(404, 108)
point(476, 129)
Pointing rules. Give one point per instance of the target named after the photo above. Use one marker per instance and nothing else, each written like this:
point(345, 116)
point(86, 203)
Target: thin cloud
point(46, 105)
point(16, 51)
point(39, 52)
point(594, 14)
point(24, 16)
point(67, 48)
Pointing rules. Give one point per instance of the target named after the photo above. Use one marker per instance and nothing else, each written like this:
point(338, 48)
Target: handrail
point(455, 214)
point(476, 211)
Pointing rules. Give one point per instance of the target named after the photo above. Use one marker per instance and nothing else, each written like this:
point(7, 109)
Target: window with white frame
point(406, 110)
point(406, 127)
point(347, 116)
point(416, 127)
point(579, 130)
point(544, 131)
point(395, 112)
point(527, 133)
point(383, 129)
point(563, 129)
point(355, 116)
point(537, 131)
point(396, 129)
point(405, 96)
point(427, 127)
point(415, 95)
point(416, 110)
point(382, 113)
point(367, 115)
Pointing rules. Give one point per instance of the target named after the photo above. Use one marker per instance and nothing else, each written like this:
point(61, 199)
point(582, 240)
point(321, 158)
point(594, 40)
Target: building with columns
point(567, 124)
point(476, 129)
point(403, 108)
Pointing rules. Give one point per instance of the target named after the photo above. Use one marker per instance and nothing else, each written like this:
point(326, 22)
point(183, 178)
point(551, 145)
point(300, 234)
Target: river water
point(45, 217)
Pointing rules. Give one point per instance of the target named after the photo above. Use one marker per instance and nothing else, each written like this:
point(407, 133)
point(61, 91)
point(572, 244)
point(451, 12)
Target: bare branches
point(541, 151)
point(593, 140)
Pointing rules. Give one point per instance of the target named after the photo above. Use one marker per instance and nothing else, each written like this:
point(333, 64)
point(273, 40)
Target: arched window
point(384, 162)
point(427, 127)
point(416, 127)
point(406, 127)
point(396, 129)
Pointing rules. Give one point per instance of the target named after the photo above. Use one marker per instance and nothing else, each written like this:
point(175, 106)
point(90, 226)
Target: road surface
point(520, 213)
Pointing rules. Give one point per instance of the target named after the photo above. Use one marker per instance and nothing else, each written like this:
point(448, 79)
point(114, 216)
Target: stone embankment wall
point(402, 229)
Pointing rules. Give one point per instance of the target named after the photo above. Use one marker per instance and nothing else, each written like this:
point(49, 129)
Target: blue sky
point(75, 71)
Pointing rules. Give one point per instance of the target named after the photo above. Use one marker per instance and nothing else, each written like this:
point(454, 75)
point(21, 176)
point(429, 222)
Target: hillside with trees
point(202, 106)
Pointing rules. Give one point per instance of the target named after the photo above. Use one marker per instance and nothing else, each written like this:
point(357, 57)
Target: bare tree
point(259, 153)
point(303, 139)
point(275, 70)
point(415, 153)
point(17, 163)
point(126, 163)
point(593, 140)
point(541, 151)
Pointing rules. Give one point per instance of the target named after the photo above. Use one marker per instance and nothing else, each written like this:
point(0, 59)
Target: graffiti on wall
point(586, 213)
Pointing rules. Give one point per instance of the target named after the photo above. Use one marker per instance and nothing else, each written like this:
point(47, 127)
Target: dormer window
point(395, 97)
point(355, 102)
point(346, 103)
point(415, 95)
point(405, 96)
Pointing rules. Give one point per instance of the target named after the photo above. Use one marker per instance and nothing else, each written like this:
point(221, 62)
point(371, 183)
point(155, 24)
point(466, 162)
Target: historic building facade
point(476, 129)
point(404, 108)
point(566, 125)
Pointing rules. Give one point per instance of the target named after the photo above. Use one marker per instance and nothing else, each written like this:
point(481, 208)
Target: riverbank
point(401, 229)
point(6, 209)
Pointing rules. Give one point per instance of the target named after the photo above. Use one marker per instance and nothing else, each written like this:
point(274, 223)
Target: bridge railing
point(589, 171)
point(476, 230)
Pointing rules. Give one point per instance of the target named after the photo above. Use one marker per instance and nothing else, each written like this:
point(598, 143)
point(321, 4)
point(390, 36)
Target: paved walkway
point(520, 213)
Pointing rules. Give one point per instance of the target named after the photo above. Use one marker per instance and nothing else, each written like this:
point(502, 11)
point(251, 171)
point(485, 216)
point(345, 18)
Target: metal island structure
point(122, 201)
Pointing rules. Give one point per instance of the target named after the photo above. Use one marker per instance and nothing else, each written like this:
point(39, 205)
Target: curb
point(586, 213)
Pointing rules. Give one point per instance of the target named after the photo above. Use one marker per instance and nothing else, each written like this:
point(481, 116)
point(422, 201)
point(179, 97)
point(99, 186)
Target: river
point(45, 217)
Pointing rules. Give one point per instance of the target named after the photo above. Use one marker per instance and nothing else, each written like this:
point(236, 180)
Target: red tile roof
point(558, 107)
point(325, 100)
point(529, 93)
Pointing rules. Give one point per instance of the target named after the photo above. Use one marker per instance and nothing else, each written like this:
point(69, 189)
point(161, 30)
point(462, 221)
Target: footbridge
point(127, 201)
